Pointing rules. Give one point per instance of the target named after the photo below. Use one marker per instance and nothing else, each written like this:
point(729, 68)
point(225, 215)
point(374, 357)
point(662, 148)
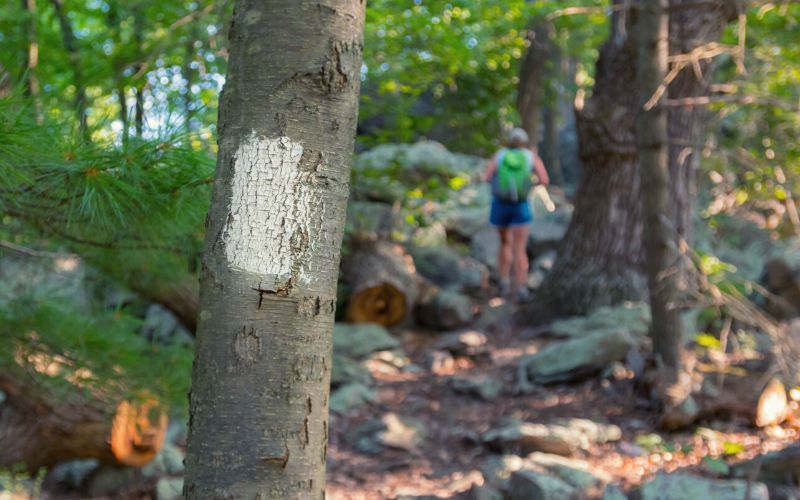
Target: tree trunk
point(40, 430)
point(601, 260)
point(550, 150)
point(71, 45)
point(662, 257)
point(32, 87)
point(383, 284)
point(259, 400)
point(529, 92)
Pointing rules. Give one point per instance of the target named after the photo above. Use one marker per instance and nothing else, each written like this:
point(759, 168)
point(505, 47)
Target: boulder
point(564, 438)
point(631, 317)
point(482, 493)
point(390, 431)
point(530, 485)
point(497, 470)
point(169, 461)
point(348, 370)
point(169, 488)
point(444, 310)
point(578, 357)
point(448, 269)
point(358, 340)
point(613, 492)
point(683, 486)
point(350, 397)
point(577, 473)
point(368, 220)
point(484, 246)
point(468, 343)
point(484, 387)
point(545, 235)
point(108, 480)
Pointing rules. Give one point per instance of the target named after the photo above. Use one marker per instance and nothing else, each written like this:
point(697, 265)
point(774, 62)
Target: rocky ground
point(444, 416)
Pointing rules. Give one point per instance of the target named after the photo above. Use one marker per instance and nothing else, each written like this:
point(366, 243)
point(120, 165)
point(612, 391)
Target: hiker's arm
point(491, 167)
point(540, 171)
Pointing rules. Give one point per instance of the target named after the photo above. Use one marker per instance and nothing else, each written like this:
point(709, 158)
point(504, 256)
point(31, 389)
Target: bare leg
point(504, 255)
point(519, 242)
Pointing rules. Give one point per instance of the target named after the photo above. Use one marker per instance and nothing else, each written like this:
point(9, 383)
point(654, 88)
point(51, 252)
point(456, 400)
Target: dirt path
point(448, 460)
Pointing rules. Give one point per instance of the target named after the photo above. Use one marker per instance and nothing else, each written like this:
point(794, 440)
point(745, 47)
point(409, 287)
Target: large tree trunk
point(32, 87)
point(40, 429)
point(601, 260)
point(259, 400)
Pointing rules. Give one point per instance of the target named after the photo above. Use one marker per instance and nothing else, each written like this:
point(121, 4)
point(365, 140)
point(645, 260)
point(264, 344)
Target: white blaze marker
point(271, 208)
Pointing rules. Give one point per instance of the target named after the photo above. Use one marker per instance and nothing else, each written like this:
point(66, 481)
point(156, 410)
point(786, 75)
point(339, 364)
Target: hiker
point(510, 171)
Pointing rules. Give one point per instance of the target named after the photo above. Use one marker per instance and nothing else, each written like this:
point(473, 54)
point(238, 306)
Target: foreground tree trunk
point(39, 429)
point(259, 400)
point(601, 260)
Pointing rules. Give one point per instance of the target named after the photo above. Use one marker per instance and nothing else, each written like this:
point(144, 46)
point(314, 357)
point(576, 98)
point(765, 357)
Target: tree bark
point(32, 87)
point(259, 400)
point(71, 45)
point(662, 258)
point(39, 429)
point(531, 76)
point(601, 259)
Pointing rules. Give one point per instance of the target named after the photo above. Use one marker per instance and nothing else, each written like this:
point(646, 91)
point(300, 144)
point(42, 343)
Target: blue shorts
point(505, 214)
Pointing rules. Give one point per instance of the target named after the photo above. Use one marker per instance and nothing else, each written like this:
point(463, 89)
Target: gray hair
point(518, 136)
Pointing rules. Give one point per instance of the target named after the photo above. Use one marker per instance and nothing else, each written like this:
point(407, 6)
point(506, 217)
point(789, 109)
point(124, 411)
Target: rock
point(444, 310)
point(108, 480)
point(484, 246)
point(177, 433)
point(484, 387)
point(613, 492)
point(530, 485)
point(497, 470)
point(431, 236)
point(358, 340)
point(577, 473)
point(350, 397)
point(169, 488)
point(446, 268)
point(69, 476)
point(367, 220)
point(159, 324)
point(576, 358)
point(545, 261)
point(535, 279)
point(469, 343)
point(631, 317)
point(683, 486)
point(404, 433)
point(169, 461)
point(482, 493)
point(564, 438)
point(545, 235)
point(440, 362)
point(347, 370)
point(465, 222)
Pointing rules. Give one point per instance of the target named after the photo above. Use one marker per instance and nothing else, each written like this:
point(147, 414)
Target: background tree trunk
point(662, 258)
point(71, 45)
point(601, 260)
point(531, 76)
point(288, 112)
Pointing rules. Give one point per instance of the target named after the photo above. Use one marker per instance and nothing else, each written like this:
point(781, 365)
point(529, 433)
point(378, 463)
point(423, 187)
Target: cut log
point(762, 401)
point(383, 284)
point(39, 429)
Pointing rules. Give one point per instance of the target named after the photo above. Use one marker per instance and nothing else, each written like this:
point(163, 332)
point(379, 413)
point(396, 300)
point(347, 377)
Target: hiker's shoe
point(523, 294)
point(505, 288)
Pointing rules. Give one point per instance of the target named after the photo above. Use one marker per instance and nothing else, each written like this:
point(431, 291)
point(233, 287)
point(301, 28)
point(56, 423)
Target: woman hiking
point(510, 171)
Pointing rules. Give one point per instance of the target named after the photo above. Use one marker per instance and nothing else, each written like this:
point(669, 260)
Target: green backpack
point(513, 179)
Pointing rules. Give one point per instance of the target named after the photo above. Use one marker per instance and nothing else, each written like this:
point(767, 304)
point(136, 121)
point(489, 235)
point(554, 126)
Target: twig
point(31, 252)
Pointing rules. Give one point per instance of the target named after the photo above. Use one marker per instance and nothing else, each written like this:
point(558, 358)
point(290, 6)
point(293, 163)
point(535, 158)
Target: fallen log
point(382, 281)
point(762, 401)
point(40, 429)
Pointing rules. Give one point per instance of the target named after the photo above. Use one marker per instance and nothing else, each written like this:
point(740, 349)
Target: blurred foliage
point(449, 69)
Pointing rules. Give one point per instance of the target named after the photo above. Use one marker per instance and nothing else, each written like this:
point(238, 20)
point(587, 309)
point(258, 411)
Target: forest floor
point(449, 458)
